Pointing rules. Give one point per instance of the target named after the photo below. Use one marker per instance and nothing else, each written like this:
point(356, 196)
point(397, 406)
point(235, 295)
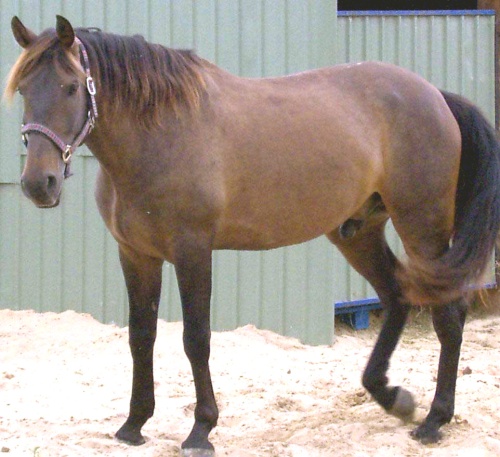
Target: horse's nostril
point(51, 182)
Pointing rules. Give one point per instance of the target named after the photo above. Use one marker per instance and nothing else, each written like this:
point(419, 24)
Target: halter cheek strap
point(68, 149)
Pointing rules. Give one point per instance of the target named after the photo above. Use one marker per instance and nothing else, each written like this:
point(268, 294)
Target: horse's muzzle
point(44, 191)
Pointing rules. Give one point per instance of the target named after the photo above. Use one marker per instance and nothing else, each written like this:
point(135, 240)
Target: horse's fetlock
point(373, 383)
point(207, 414)
point(441, 412)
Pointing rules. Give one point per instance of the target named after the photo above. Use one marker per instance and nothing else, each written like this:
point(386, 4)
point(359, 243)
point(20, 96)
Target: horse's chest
point(139, 229)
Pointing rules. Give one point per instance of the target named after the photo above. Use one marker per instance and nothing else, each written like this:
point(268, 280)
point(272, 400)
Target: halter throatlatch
point(68, 149)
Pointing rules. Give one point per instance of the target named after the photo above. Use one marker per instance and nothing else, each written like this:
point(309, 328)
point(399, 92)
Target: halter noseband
point(68, 149)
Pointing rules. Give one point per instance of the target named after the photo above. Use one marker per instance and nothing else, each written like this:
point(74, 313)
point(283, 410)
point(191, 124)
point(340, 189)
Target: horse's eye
point(72, 89)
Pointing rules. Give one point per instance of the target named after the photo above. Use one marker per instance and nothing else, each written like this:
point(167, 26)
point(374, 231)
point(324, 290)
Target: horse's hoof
point(426, 435)
point(404, 406)
point(130, 436)
point(197, 452)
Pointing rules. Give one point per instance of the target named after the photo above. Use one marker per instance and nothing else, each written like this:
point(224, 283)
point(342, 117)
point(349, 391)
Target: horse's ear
point(65, 32)
point(22, 35)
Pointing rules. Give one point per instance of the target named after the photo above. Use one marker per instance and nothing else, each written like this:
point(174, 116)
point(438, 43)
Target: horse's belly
point(267, 230)
point(295, 200)
point(251, 239)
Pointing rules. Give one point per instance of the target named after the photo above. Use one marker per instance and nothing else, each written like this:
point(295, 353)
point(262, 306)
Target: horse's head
point(55, 88)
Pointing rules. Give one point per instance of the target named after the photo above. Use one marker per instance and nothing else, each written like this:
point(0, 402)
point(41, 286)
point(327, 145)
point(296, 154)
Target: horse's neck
point(114, 140)
point(121, 144)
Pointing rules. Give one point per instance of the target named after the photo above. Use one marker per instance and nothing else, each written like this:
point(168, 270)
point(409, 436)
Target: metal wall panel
point(64, 258)
point(59, 259)
point(454, 52)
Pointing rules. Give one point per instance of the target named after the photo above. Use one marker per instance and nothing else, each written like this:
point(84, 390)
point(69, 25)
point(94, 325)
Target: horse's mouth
point(48, 205)
point(42, 196)
point(44, 203)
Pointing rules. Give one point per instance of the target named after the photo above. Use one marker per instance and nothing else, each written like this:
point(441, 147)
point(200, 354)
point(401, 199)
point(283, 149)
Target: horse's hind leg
point(448, 322)
point(369, 254)
point(367, 251)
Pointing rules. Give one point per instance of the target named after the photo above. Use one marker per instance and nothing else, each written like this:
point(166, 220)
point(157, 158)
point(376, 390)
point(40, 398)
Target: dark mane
point(130, 74)
point(143, 77)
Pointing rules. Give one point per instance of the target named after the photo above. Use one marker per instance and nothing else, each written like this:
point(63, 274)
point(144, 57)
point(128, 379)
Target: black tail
point(477, 218)
point(477, 213)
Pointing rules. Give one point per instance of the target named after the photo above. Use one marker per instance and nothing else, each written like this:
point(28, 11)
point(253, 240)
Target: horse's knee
point(141, 342)
point(197, 344)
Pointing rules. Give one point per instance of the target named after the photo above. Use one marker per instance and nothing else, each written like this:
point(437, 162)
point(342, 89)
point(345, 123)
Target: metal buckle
point(91, 86)
point(66, 155)
point(91, 119)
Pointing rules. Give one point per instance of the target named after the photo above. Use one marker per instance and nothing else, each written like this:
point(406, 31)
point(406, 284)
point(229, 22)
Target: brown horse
point(194, 159)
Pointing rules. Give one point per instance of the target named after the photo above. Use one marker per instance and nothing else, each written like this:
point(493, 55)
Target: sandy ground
point(65, 384)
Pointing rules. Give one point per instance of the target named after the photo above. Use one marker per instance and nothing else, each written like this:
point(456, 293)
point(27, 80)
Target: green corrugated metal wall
point(454, 52)
point(64, 258)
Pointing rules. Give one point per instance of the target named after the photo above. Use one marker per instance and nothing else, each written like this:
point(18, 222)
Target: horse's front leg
point(449, 323)
point(143, 280)
point(193, 265)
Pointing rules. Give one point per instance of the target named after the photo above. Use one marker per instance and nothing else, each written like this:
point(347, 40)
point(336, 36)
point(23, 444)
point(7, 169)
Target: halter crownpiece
point(90, 82)
point(68, 149)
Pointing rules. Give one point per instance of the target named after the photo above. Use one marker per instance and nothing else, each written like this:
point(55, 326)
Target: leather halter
point(68, 149)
